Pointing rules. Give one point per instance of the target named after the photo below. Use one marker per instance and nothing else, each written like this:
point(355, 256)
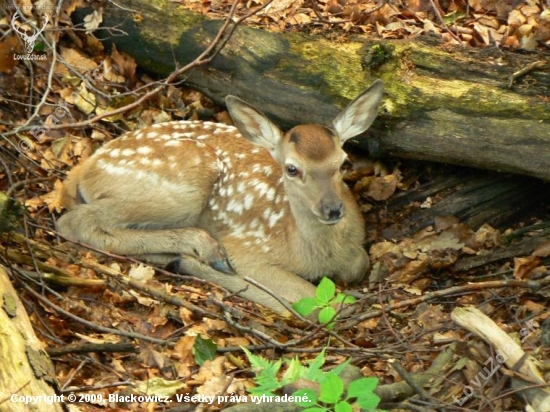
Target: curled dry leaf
point(523, 267)
point(542, 250)
point(381, 188)
point(141, 272)
point(93, 20)
point(54, 198)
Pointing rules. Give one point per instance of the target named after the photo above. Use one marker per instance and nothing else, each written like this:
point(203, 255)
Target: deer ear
point(360, 113)
point(254, 125)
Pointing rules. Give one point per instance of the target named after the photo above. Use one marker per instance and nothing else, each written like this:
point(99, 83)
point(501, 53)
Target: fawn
point(245, 201)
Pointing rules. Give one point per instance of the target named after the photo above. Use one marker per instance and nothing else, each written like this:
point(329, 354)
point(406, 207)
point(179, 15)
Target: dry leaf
point(54, 199)
point(141, 272)
point(542, 250)
point(524, 266)
point(92, 21)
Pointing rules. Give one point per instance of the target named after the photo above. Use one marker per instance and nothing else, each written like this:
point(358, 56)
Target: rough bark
point(442, 104)
point(25, 368)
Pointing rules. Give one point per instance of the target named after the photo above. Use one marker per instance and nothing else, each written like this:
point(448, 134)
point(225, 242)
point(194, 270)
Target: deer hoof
point(188, 265)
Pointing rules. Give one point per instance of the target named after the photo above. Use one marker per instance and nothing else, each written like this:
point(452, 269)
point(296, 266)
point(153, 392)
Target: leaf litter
point(410, 266)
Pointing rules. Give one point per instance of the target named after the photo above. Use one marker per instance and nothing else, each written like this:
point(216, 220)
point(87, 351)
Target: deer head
point(311, 156)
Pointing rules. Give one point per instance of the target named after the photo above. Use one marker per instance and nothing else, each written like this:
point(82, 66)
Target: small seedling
point(325, 300)
point(329, 397)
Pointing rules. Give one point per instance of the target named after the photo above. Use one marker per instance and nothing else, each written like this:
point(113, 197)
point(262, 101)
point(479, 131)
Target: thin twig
point(442, 22)
point(91, 325)
point(455, 290)
point(214, 48)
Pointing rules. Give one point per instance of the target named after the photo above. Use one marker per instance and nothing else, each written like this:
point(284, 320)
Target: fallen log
point(444, 104)
point(27, 376)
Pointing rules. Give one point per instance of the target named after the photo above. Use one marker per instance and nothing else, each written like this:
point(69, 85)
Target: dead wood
point(92, 348)
point(474, 197)
point(25, 368)
point(442, 104)
point(526, 376)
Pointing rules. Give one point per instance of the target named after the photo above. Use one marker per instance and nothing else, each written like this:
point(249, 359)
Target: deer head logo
point(29, 40)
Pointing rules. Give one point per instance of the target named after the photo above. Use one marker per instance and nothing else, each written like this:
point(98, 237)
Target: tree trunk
point(443, 103)
point(25, 368)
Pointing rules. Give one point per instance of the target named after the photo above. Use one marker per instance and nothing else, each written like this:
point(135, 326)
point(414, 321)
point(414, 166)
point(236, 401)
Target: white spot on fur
point(172, 143)
point(152, 135)
point(262, 188)
point(144, 150)
point(248, 201)
point(270, 195)
point(128, 152)
point(275, 217)
point(241, 187)
point(114, 153)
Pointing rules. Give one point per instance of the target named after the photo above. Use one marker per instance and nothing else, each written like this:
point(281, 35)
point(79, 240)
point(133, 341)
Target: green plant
point(325, 300)
point(329, 397)
point(203, 350)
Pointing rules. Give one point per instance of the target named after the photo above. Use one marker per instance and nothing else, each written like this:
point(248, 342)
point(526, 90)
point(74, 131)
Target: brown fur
point(314, 142)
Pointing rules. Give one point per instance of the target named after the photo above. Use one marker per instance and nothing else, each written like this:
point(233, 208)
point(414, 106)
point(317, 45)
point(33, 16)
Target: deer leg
point(154, 245)
point(283, 284)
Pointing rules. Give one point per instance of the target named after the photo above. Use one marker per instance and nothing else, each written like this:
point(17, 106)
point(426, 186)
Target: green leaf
point(306, 393)
point(305, 306)
point(326, 315)
point(343, 406)
point(316, 409)
point(343, 298)
point(294, 372)
point(337, 370)
point(325, 291)
point(361, 386)
point(369, 402)
point(314, 372)
point(453, 17)
point(362, 390)
point(203, 350)
point(266, 374)
point(331, 389)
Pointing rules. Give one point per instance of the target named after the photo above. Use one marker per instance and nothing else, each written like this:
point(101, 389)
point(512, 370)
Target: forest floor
point(182, 340)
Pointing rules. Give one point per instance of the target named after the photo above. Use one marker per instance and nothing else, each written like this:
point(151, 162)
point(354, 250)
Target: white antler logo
point(29, 40)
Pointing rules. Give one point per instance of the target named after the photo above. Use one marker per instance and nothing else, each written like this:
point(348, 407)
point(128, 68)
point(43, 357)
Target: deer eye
point(292, 171)
point(346, 166)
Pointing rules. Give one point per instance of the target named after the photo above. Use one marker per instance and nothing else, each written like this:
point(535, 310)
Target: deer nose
point(334, 212)
point(332, 209)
